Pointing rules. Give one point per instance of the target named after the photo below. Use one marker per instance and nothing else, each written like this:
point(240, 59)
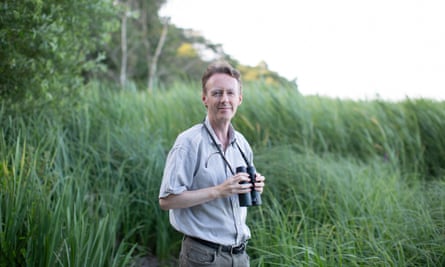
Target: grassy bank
point(349, 183)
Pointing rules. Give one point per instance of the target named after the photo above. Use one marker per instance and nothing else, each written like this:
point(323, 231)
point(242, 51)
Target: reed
point(327, 211)
point(349, 183)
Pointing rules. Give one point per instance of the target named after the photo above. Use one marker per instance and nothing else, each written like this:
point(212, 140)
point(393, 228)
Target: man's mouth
point(225, 107)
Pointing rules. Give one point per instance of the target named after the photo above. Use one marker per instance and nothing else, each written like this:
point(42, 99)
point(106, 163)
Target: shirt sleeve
point(178, 171)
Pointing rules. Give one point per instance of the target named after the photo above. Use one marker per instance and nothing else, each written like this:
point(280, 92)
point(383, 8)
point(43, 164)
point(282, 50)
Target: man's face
point(222, 97)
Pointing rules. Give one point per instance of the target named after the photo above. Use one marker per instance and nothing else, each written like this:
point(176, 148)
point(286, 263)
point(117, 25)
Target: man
point(200, 187)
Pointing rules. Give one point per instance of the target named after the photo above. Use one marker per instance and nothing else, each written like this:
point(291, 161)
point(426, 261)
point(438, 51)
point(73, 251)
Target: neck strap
point(220, 151)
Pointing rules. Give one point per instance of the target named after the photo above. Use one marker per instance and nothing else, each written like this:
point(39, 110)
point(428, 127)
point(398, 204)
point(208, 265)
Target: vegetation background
point(93, 94)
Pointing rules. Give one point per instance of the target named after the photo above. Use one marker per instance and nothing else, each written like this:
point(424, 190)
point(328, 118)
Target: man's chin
point(225, 117)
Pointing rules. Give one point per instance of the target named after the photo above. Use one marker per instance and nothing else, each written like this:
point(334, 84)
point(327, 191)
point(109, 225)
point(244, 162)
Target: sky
point(350, 49)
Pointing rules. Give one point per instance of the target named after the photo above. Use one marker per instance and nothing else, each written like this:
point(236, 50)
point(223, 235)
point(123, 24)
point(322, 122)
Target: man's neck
point(222, 132)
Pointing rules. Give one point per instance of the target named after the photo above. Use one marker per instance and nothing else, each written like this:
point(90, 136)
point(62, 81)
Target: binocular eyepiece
point(253, 198)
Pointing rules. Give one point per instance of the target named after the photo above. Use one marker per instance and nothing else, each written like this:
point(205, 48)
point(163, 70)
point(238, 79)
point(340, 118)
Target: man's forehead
point(222, 80)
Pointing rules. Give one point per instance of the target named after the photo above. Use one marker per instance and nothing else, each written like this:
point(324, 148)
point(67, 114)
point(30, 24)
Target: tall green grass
point(330, 211)
point(349, 183)
point(49, 216)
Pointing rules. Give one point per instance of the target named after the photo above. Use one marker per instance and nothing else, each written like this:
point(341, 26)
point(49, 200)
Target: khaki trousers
point(195, 254)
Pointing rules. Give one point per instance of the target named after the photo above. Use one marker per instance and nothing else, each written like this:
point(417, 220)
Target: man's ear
point(204, 100)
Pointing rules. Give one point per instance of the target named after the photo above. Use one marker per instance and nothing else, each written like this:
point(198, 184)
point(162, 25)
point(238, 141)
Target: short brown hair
point(220, 67)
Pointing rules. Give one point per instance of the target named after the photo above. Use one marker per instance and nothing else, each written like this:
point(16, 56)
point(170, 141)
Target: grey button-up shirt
point(194, 163)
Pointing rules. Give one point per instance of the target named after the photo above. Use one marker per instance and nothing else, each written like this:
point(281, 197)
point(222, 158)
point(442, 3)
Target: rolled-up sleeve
point(178, 171)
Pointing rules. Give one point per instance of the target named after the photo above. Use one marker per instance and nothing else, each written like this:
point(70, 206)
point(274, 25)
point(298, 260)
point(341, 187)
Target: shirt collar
point(231, 132)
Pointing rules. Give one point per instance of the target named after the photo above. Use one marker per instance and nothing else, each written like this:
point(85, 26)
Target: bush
point(45, 47)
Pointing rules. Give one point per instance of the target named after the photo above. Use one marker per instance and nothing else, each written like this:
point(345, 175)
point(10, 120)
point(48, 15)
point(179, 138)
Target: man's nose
point(225, 96)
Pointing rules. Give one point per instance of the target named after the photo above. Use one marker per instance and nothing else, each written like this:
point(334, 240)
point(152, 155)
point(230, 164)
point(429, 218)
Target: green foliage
point(184, 55)
point(49, 214)
point(348, 183)
point(330, 211)
point(50, 48)
point(46, 45)
point(405, 133)
point(428, 116)
point(143, 31)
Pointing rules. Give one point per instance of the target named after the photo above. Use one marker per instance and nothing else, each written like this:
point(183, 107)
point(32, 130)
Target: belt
point(229, 249)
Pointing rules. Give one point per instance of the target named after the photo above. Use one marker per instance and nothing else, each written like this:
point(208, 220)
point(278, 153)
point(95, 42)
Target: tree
point(141, 24)
point(151, 52)
point(154, 62)
point(153, 57)
point(46, 46)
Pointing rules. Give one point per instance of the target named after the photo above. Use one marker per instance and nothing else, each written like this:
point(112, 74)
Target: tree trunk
point(124, 56)
point(154, 61)
point(145, 39)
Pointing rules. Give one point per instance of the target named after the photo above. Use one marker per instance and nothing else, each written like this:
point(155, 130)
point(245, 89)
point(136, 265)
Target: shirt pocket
point(211, 172)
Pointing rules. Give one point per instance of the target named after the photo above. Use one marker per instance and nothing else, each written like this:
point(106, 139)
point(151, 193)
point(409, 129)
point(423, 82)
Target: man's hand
point(259, 183)
point(192, 198)
point(233, 185)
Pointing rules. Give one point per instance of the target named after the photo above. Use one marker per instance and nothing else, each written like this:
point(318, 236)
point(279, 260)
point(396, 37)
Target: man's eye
point(217, 93)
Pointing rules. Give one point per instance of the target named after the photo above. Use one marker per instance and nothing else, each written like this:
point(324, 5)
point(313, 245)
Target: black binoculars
point(253, 198)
